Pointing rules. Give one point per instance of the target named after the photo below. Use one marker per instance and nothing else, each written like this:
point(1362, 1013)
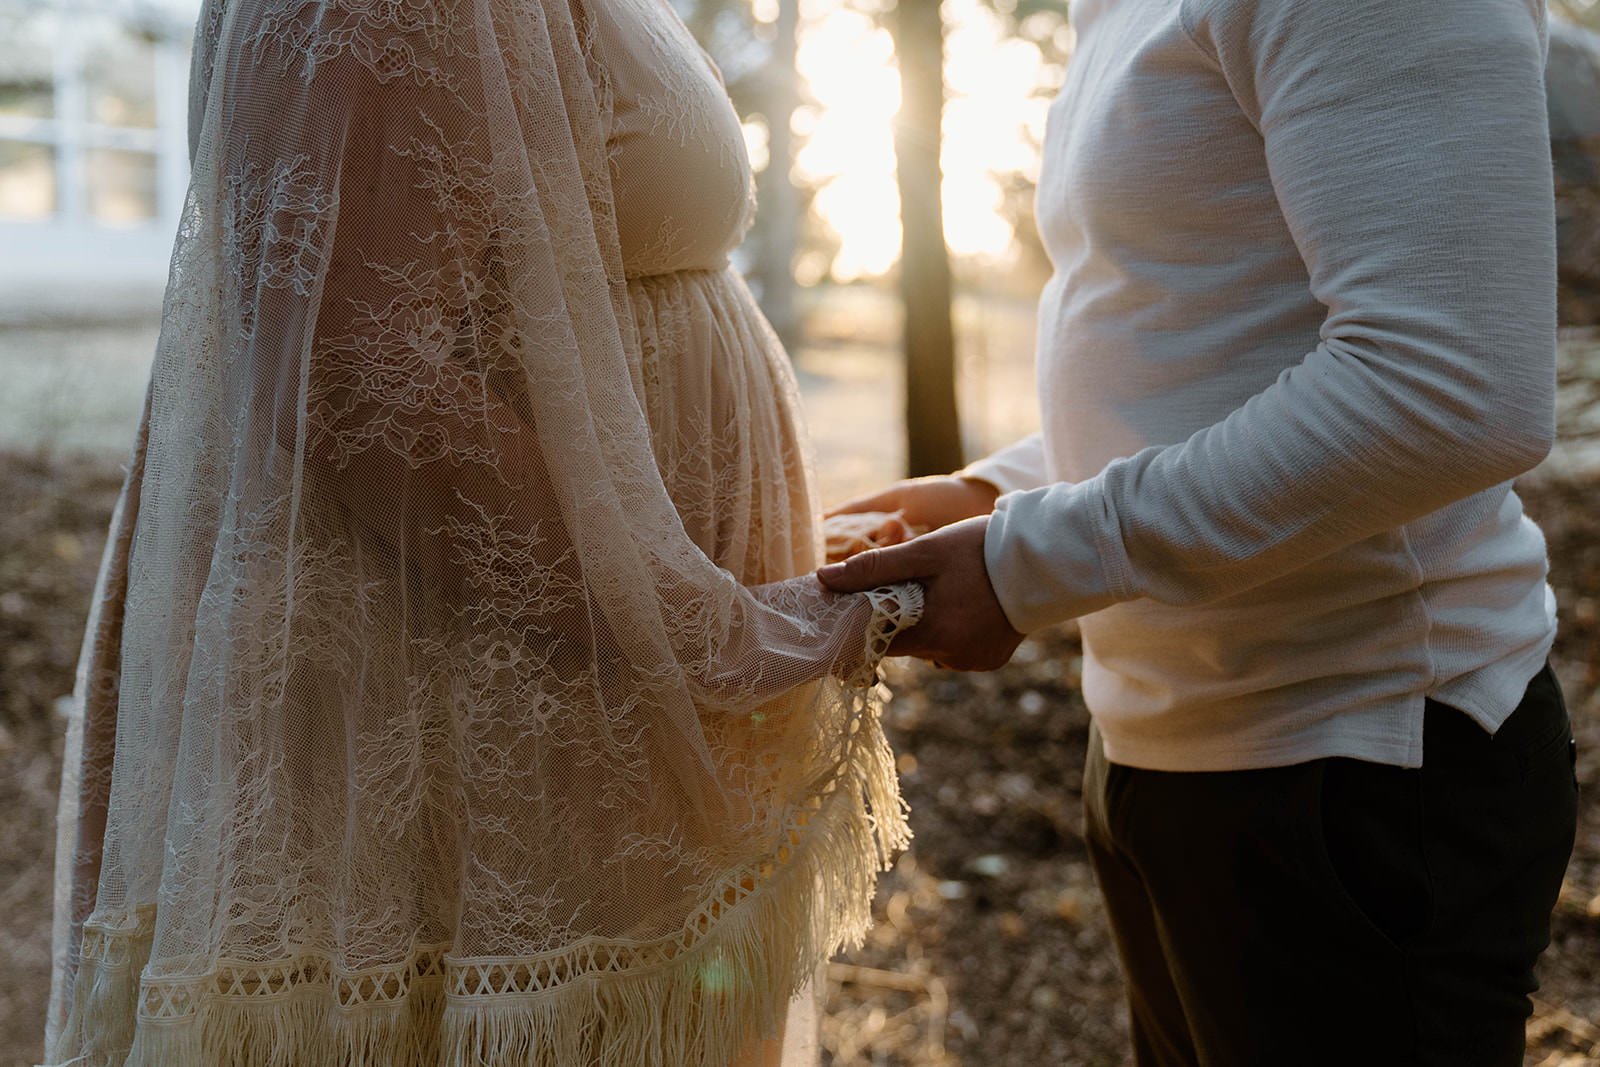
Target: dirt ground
point(991, 947)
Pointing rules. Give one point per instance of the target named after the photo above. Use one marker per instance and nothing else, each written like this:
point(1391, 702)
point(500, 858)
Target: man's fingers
point(846, 535)
point(910, 643)
point(872, 568)
point(895, 530)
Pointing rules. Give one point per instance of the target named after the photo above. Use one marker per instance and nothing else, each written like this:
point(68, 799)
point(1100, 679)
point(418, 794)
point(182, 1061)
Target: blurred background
point(897, 148)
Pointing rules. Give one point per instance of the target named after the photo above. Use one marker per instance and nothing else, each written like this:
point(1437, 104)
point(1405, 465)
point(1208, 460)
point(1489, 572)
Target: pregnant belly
point(724, 420)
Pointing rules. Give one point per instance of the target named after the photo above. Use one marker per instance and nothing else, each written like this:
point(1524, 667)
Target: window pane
point(27, 180)
point(122, 186)
point(27, 85)
point(119, 69)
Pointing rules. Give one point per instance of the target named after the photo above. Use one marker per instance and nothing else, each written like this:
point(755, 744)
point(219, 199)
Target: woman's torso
point(717, 388)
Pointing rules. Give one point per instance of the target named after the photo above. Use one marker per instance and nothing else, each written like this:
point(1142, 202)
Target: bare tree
point(933, 427)
point(780, 203)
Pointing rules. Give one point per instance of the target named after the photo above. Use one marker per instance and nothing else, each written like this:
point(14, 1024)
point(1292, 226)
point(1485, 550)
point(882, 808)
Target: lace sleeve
point(459, 379)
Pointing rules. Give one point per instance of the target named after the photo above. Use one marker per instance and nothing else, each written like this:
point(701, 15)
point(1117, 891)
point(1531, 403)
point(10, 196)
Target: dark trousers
point(1339, 911)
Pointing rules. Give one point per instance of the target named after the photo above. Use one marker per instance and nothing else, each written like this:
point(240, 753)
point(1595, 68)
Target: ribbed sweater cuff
point(1056, 553)
point(1016, 468)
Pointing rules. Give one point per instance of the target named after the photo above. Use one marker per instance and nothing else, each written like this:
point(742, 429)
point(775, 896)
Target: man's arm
point(1413, 169)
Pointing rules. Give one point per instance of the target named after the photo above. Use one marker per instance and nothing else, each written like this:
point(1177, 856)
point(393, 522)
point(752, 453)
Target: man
point(1299, 339)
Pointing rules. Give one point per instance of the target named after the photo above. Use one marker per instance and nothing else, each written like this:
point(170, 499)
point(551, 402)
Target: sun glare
point(847, 64)
point(993, 118)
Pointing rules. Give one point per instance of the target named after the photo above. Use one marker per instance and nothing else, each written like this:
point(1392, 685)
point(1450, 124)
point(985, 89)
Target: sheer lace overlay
point(456, 691)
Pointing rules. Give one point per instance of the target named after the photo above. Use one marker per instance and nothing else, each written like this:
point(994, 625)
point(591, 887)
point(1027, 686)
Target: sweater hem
point(1399, 748)
point(1490, 694)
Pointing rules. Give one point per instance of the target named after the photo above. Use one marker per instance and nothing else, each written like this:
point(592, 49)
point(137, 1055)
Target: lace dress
point(455, 690)
point(718, 390)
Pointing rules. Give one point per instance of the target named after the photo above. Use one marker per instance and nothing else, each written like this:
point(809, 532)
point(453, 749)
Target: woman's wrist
point(984, 492)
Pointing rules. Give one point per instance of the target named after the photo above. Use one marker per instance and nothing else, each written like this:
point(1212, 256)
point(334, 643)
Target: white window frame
point(71, 242)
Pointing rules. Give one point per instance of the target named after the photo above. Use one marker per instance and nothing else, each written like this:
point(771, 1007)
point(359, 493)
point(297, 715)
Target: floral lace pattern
point(277, 229)
point(456, 689)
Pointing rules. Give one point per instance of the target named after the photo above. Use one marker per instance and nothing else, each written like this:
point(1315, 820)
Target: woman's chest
point(680, 176)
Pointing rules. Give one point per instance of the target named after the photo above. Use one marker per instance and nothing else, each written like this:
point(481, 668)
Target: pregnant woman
point(449, 696)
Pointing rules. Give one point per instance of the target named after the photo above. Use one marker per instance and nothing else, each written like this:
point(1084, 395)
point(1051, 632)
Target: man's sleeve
point(1016, 467)
point(1406, 141)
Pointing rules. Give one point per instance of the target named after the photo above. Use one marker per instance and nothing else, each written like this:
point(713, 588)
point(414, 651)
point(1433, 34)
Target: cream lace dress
point(456, 691)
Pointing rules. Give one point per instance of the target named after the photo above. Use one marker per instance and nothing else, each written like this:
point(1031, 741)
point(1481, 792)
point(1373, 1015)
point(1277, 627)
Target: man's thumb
point(869, 569)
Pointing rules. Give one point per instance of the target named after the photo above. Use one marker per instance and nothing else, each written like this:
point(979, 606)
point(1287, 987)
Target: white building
point(93, 150)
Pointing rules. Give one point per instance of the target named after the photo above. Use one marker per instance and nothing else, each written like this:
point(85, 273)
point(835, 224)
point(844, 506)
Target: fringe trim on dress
point(729, 978)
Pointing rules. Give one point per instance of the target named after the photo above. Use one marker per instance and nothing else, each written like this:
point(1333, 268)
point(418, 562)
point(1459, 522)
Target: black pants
point(1338, 911)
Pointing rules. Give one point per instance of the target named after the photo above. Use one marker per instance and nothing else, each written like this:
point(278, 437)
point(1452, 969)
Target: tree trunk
point(933, 429)
point(780, 206)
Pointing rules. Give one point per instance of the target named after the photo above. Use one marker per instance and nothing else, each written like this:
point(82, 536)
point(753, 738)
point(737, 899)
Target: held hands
point(903, 511)
point(963, 626)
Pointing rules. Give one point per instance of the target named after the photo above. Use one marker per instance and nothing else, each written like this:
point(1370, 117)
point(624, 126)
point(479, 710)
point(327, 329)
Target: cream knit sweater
point(1299, 339)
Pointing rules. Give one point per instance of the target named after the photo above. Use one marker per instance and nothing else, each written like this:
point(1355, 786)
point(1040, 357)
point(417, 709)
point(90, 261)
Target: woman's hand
point(903, 511)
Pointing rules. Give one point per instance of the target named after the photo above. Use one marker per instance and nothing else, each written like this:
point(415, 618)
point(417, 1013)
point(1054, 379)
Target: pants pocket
point(1372, 839)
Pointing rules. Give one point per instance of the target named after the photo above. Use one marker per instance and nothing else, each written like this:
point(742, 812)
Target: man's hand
point(963, 626)
point(904, 510)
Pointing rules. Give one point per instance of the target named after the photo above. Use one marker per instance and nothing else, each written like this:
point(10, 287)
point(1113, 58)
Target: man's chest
point(1146, 140)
